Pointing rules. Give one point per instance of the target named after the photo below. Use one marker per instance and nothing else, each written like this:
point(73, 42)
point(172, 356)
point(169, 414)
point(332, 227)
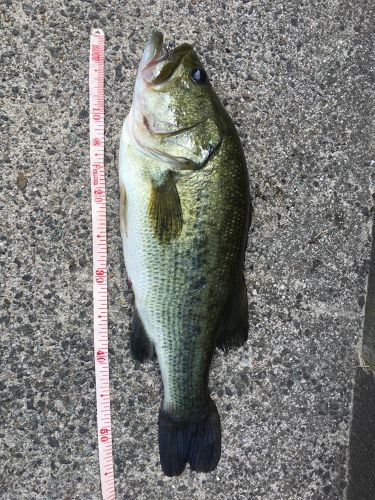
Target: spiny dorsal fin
point(165, 209)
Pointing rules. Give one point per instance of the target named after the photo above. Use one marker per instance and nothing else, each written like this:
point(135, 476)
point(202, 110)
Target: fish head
point(175, 114)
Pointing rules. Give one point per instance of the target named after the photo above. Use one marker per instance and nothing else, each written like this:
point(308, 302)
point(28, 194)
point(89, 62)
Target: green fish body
point(185, 213)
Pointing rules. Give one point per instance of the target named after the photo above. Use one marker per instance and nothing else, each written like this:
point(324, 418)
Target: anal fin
point(234, 324)
point(141, 346)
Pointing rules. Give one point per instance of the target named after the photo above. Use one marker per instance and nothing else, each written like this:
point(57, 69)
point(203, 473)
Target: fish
point(185, 213)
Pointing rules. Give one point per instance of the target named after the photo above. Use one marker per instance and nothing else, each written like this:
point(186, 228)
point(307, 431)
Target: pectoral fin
point(165, 209)
point(123, 210)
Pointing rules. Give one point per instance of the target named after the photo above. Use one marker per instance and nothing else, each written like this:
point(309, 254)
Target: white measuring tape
point(99, 242)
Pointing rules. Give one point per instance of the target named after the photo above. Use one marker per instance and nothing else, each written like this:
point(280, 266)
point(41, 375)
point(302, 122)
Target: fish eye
point(198, 75)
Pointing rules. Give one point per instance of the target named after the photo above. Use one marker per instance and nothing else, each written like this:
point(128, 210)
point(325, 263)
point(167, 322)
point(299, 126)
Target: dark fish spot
point(199, 283)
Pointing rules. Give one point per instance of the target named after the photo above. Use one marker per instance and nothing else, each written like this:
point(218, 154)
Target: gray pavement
point(298, 78)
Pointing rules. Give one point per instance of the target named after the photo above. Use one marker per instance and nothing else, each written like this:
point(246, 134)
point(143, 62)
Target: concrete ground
point(298, 79)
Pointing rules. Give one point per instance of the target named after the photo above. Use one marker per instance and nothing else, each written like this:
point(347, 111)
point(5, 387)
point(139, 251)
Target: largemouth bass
point(185, 214)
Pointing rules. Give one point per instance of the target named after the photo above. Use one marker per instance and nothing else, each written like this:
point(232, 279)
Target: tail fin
point(196, 440)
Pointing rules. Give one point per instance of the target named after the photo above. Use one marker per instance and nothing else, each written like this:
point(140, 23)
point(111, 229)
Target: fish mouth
point(161, 60)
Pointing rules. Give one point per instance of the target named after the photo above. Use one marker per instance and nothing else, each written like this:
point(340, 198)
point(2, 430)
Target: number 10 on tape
point(99, 238)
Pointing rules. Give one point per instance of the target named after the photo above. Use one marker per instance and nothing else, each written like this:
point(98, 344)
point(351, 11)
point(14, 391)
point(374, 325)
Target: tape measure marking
point(99, 239)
